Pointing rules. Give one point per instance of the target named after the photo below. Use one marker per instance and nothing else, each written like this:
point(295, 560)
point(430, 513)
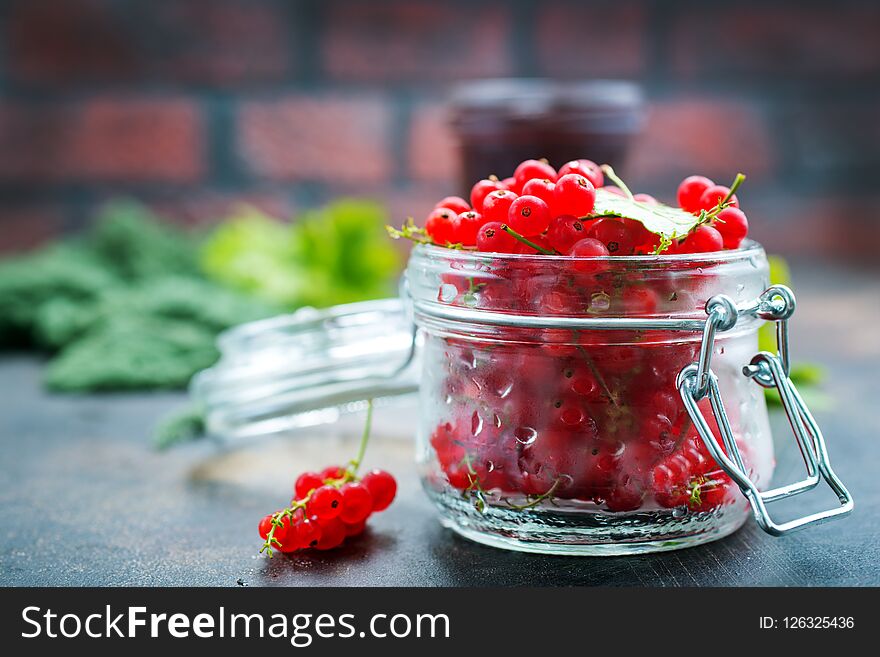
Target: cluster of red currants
point(728, 226)
point(328, 507)
point(597, 423)
point(541, 210)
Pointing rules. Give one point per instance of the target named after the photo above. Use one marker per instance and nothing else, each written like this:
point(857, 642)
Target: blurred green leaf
point(124, 353)
point(803, 375)
point(183, 426)
point(68, 271)
point(129, 238)
point(123, 306)
point(335, 254)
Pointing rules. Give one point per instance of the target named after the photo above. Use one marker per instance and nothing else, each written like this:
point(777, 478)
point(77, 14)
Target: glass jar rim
point(748, 249)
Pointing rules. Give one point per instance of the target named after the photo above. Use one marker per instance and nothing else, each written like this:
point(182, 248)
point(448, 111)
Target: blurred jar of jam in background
point(499, 123)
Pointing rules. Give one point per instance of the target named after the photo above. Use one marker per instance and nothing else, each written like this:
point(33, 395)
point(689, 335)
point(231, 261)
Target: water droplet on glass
point(490, 466)
point(467, 359)
point(496, 420)
point(600, 302)
point(505, 390)
point(476, 423)
point(679, 512)
point(448, 292)
point(448, 399)
point(525, 435)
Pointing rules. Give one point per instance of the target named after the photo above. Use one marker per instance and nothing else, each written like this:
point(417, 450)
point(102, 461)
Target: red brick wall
point(195, 105)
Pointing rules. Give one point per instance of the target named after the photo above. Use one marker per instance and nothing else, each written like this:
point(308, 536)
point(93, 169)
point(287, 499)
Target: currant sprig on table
point(330, 505)
point(572, 212)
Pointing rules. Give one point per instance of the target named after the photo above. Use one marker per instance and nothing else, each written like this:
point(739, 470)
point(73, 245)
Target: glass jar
point(543, 438)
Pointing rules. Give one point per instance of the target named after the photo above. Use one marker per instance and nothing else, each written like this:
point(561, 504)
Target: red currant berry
point(713, 195)
point(587, 168)
point(626, 494)
point(665, 403)
point(307, 532)
point(584, 384)
point(732, 224)
point(640, 234)
point(573, 417)
point(482, 189)
point(703, 239)
point(332, 472)
point(332, 534)
point(574, 195)
point(355, 529)
point(540, 241)
point(286, 536)
point(690, 190)
point(615, 235)
point(528, 215)
point(306, 483)
point(468, 224)
point(265, 527)
point(564, 231)
point(492, 238)
point(497, 205)
point(510, 183)
point(441, 226)
point(325, 502)
point(357, 503)
point(647, 199)
point(454, 203)
point(668, 481)
point(533, 169)
point(382, 487)
point(638, 300)
point(712, 492)
point(589, 248)
point(540, 187)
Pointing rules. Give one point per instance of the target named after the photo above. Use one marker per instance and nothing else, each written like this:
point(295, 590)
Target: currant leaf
point(660, 219)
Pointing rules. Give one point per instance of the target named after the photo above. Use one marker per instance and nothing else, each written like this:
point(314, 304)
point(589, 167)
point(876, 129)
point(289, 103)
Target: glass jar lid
point(307, 368)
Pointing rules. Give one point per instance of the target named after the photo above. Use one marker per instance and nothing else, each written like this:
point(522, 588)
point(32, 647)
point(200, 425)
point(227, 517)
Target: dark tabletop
point(85, 500)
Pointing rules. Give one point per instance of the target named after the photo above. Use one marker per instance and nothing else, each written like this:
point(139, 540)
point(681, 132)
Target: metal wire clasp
point(697, 381)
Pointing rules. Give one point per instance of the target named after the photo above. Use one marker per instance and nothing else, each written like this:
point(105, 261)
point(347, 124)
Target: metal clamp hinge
point(697, 381)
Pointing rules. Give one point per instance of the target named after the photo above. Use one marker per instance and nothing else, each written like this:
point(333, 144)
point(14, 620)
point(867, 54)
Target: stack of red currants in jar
point(540, 210)
point(541, 416)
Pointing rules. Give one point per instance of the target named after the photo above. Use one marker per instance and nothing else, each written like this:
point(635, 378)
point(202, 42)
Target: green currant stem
point(540, 249)
point(606, 168)
point(706, 217)
point(696, 490)
point(474, 488)
point(740, 178)
point(665, 243)
point(596, 373)
point(355, 463)
point(409, 231)
point(536, 500)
